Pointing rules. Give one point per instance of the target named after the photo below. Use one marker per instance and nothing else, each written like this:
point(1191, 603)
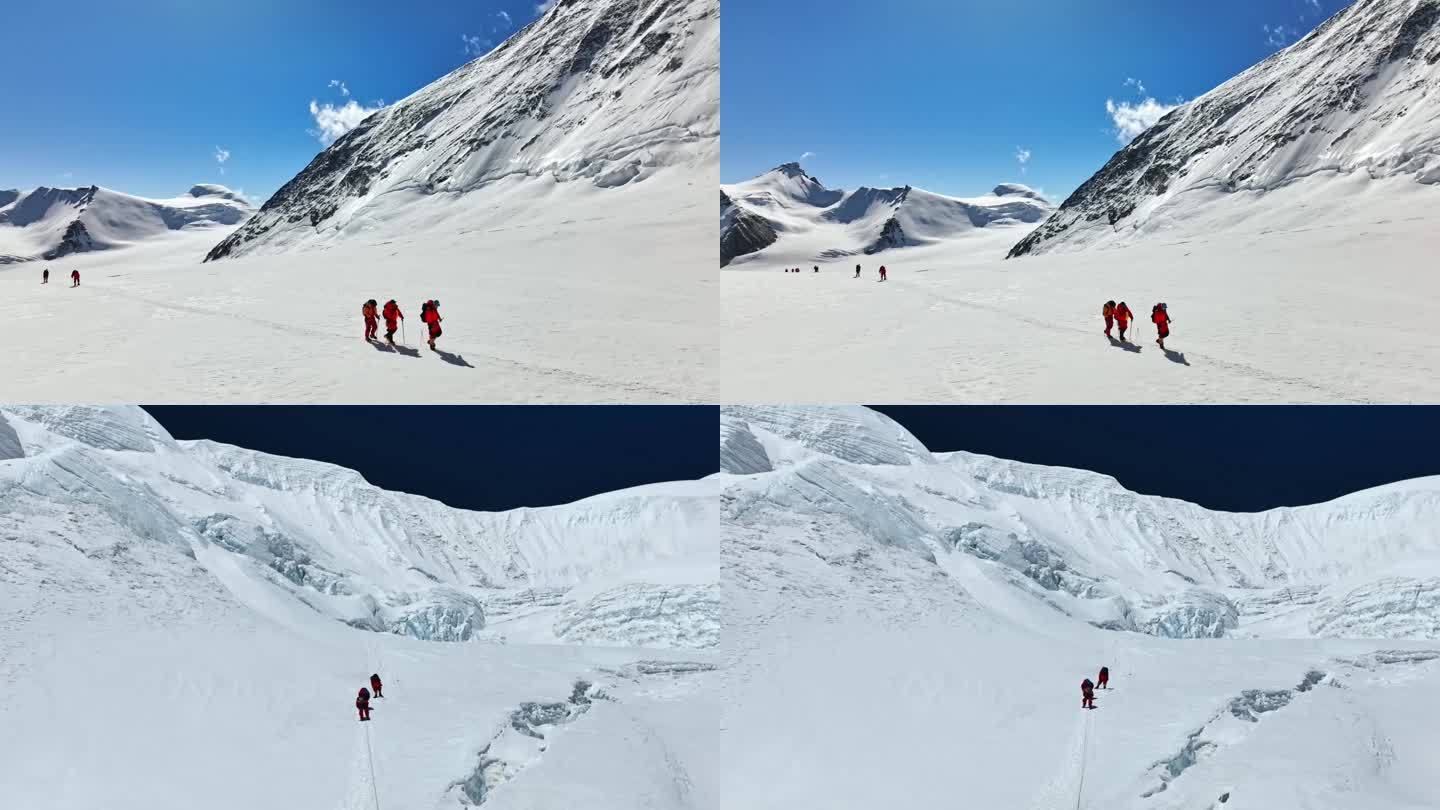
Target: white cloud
point(221, 155)
point(331, 122)
point(475, 46)
point(344, 91)
point(1132, 119)
point(541, 8)
point(1138, 85)
point(506, 17)
point(806, 156)
point(1022, 156)
point(1314, 5)
point(1279, 36)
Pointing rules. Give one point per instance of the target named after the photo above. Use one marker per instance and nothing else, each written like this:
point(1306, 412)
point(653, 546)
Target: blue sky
point(950, 95)
point(148, 96)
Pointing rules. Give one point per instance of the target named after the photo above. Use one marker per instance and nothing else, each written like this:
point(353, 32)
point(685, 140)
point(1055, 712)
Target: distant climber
point(817, 268)
point(1108, 313)
point(1160, 316)
point(1123, 316)
point(882, 272)
point(375, 684)
point(74, 278)
point(1104, 679)
point(362, 704)
point(430, 314)
point(45, 276)
point(392, 314)
point(1087, 694)
point(368, 310)
point(857, 271)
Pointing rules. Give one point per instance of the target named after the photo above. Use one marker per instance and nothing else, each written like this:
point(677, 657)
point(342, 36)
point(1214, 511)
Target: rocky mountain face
point(741, 231)
point(1354, 98)
point(856, 489)
point(605, 93)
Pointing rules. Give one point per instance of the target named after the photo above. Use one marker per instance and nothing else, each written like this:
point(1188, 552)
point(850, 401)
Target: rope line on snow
point(1084, 756)
point(370, 757)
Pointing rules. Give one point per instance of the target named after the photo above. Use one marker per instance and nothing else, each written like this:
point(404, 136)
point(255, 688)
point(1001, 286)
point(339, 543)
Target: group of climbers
point(857, 270)
point(1087, 689)
point(1119, 315)
point(372, 312)
point(74, 277)
point(362, 700)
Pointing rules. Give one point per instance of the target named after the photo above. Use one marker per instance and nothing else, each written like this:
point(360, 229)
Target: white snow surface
point(596, 93)
point(931, 621)
point(540, 305)
point(815, 223)
point(174, 613)
point(50, 223)
point(1270, 305)
point(1351, 101)
point(548, 194)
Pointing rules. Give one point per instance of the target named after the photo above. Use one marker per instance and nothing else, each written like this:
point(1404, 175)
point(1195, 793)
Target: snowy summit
point(50, 223)
point(790, 207)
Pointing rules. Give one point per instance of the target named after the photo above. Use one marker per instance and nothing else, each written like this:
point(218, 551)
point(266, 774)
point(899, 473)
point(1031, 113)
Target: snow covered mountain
point(595, 93)
point(1327, 127)
point(630, 568)
point(951, 604)
point(50, 223)
point(1364, 566)
point(235, 601)
point(811, 221)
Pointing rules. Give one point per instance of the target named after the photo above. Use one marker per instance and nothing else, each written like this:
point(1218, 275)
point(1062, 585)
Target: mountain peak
point(1349, 100)
point(607, 93)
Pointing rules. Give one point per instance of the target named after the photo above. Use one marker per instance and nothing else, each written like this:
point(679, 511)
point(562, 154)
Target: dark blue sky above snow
point(150, 97)
point(489, 458)
point(955, 96)
point(1243, 458)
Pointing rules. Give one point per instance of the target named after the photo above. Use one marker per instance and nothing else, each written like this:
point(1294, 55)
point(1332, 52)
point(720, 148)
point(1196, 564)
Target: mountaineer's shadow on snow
point(396, 348)
point(1125, 344)
point(1175, 357)
point(452, 359)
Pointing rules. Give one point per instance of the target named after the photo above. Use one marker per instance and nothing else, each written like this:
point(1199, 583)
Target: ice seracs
point(1336, 122)
point(282, 534)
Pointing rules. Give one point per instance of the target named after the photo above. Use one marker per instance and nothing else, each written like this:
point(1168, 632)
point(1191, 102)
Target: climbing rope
point(370, 756)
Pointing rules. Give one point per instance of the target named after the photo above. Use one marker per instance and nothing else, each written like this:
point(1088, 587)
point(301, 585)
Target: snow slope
point(597, 93)
point(929, 616)
point(236, 601)
point(538, 308)
point(1272, 310)
point(813, 223)
point(51, 223)
point(1351, 100)
point(552, 195)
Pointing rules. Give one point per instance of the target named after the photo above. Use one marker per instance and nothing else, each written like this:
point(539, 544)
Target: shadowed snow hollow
point(1353, 99)
point(600, 93)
